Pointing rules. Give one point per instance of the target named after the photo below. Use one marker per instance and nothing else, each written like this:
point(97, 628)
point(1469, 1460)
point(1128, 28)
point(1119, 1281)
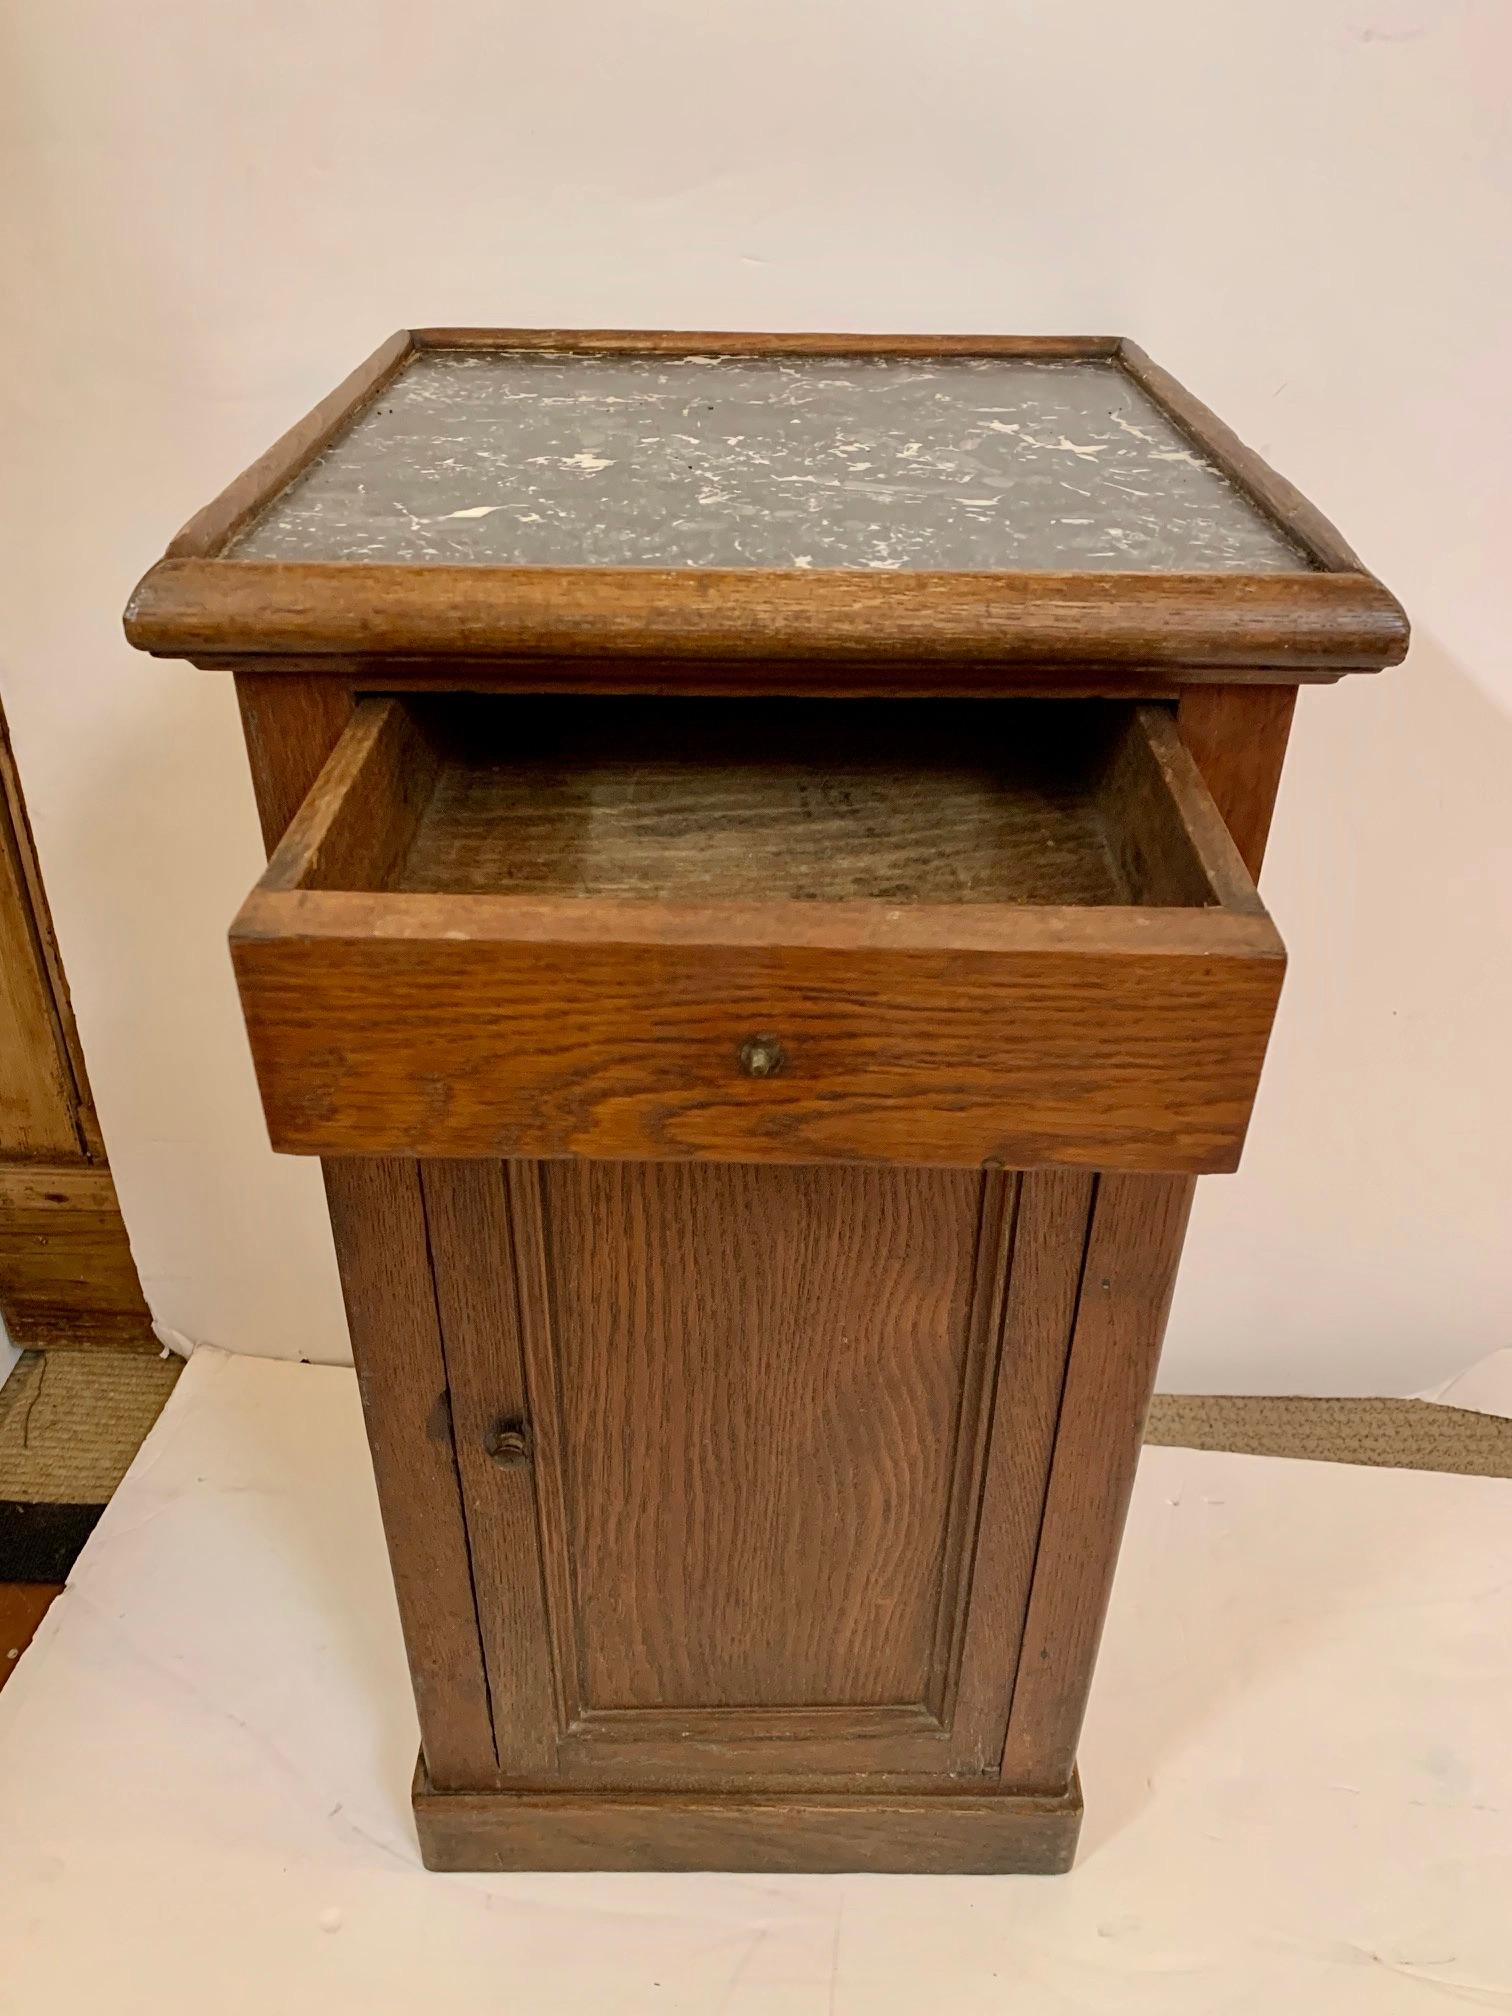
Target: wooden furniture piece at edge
point(66, 1273)
point(1135, 1226)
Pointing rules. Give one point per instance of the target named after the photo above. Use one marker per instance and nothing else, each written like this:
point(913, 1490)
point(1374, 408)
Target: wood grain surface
point(291, 726)
point(383, 1251)
point(788, 1433)
point(758, 1509)
point(980, 1832)
point(1238, 737)
point(535, 672)
point(770, 1392)
point(477, 1301)
point(1293, 622)
point(748, 343)
point(1041, 1291)
point(67, 1276)
point(736, 801)
point(1128, 1276)
point(38, 1099)
point(456, 1023)
point(1128, 1048)
point(378, 1219)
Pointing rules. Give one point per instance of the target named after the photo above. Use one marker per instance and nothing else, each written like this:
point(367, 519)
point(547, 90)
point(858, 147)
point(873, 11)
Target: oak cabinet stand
point(761, 930)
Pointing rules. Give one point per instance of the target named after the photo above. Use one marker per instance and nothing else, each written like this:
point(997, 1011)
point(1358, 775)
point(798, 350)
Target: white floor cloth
point(1298, 1771)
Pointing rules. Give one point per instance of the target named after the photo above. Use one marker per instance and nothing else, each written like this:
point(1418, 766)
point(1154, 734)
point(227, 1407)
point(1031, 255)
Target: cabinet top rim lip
point(205, 600)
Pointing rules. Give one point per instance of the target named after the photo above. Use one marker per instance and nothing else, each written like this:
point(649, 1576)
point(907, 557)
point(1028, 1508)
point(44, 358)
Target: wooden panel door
point(753, 1457)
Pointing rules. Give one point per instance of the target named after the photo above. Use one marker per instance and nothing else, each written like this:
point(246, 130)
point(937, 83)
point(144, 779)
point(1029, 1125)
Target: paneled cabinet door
point(753, 1457)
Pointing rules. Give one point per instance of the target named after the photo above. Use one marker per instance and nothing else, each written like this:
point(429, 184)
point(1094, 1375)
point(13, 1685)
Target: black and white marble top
point(960, 464)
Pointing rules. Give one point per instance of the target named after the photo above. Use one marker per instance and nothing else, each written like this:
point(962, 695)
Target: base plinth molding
point(949, 1832)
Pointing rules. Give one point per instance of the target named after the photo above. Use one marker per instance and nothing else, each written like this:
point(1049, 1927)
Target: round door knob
point(509, 1442)
point(762, 1057)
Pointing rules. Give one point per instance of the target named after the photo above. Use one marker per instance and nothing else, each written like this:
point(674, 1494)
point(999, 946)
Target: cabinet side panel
point(291, 725)
point(1238, 735)
point(1138, 1223)
point(377, 1215)
point(378, 1218)
point(1039, 1290)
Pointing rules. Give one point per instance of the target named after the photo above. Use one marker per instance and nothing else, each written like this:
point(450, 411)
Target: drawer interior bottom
point(1026, 803)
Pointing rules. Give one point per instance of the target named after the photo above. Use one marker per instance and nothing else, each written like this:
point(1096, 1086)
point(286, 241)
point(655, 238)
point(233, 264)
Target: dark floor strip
point(40, 1543)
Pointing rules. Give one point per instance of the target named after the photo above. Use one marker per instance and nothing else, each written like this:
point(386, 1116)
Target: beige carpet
point(1385, 1434)
point(71, 1421)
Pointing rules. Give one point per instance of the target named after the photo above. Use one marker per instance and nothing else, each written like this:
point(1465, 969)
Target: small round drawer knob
point(762, 1057)
point(509, 1442)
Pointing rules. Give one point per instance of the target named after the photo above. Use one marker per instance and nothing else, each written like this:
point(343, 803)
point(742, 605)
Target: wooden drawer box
point(761, 926)
point(991, 932)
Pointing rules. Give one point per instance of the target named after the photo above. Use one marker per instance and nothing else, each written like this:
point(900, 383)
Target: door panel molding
point(900, 1369)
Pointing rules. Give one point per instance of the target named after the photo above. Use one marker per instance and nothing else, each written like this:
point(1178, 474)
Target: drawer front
point(681, 948)
point(621, 1036)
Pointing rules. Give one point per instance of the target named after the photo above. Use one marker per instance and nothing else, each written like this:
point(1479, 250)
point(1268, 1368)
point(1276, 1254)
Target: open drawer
point(760, 930)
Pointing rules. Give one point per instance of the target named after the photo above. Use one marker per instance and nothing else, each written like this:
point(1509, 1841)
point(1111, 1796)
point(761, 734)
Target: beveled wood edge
point(1000, 1192)
point(890, 1758)
point(1135, 1232)
point(777, 678)
point(194, 603)
point(1192, 804)
point(857, 1723)
point(524, 1187)
point(256, 611)
point(756, 343)
point(223, 517)
point(1250, 473)
point(386, 917)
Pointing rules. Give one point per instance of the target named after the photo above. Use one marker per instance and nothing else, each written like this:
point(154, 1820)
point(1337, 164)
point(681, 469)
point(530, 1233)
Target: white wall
point(1301, 206)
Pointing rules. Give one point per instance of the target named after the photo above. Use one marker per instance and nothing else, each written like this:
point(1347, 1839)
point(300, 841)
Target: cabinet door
point(753, 1457)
